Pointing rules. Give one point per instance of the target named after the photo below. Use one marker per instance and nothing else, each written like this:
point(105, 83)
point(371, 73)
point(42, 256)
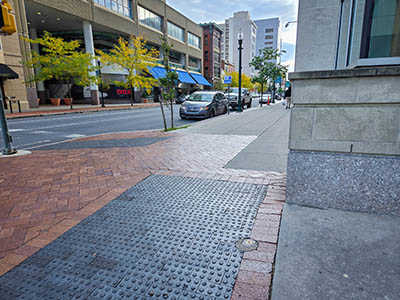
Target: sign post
point(228, 81)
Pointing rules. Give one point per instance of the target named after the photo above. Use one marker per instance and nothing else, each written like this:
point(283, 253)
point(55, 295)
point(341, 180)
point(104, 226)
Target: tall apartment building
point(240, 21)
point(268, 34)
point(98, 24)
point(212, 36)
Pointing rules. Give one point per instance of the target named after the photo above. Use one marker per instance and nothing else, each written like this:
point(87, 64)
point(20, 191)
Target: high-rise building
point(268, 34)
point(240, 22)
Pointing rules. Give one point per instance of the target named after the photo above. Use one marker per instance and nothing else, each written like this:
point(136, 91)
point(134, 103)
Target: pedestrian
point(288, 97)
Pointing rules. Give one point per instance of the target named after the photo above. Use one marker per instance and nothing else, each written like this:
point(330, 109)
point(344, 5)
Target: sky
point(201, 11)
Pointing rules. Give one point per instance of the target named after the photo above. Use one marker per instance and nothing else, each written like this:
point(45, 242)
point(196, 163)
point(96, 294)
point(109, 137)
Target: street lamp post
point(101, 85)
point(240, 40)
point(290, 22)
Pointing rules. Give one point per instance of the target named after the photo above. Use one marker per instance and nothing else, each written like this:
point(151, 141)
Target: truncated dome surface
point(167, 237)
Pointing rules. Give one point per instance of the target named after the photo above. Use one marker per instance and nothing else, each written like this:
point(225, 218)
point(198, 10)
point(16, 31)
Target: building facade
point(98, 24)
point(345, 125)
point(268, 34)
point(240, 22)
point(212, 36)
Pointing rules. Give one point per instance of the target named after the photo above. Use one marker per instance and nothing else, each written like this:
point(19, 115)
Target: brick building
point(212, 35)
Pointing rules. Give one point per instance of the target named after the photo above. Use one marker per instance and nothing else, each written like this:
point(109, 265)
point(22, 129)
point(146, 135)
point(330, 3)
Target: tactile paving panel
point(136, 142)
point(167, 237)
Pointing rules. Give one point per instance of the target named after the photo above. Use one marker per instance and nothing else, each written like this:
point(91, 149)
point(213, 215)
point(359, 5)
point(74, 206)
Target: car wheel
point(182, 117)
point(225, 110)
point(249, 105)
point(212, 113)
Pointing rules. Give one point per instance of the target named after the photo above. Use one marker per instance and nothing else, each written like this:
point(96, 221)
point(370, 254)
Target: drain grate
point(167, 237)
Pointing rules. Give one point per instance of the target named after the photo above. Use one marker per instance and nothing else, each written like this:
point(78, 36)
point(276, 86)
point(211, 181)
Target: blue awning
point(184, 77)
point(200, 79)
point(158, 72)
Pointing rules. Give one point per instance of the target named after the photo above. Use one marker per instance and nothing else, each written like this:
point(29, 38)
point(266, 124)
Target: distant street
point(31, 133)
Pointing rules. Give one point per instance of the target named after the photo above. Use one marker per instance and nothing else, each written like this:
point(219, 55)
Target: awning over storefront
point(184, 77)
point(7, 73)
point(200, 79)
point(158, 72)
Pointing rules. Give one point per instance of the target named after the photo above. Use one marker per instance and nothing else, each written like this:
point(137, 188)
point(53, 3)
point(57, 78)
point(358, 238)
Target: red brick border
point(256, 270)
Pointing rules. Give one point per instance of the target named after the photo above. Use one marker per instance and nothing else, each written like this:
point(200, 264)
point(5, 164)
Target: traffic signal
point(7, 21)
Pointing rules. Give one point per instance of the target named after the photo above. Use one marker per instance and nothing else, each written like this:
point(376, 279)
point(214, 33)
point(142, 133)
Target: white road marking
point(75, 136)
point(15, 130)
point(35, 143)
point(41, 132)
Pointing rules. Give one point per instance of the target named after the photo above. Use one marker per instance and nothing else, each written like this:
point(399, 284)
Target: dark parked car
point(181, 99)
point(204, 105)
point(233, 97)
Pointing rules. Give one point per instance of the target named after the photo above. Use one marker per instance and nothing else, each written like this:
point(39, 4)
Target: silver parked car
point(204, 104)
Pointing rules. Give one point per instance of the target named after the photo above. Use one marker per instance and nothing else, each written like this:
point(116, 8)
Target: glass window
point(193, 40)
point(198, 96)
point(122, 7)
point(381, 29)
point(269, 37)
point(176, 31)
point(148, 18)
point(269, 30)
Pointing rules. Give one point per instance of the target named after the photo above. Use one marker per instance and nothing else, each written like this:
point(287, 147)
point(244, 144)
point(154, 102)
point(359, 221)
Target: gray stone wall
point(352, 182)
point(353, 112)
point(344, 142)
point(317, 32)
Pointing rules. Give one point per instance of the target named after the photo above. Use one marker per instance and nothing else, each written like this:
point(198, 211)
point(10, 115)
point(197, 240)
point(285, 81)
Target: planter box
point(55, 101)
point(68, 101)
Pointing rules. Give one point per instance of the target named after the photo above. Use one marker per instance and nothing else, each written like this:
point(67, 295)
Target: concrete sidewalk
point(268, 152)
point(79, 200)
point(49, 110)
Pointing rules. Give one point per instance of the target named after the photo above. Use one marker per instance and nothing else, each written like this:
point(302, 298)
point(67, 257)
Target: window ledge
point(194, 47)
point(345, 73)
point(175, 39)
point(151, 28)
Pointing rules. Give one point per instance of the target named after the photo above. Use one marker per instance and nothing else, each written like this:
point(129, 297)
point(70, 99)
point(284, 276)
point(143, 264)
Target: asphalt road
point(31, 133)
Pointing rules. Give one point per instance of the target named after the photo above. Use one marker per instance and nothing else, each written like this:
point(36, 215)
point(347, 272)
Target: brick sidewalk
point(62, 111)
point(45, 194)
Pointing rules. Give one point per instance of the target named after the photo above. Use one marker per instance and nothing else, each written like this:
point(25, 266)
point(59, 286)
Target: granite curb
point(75, 111)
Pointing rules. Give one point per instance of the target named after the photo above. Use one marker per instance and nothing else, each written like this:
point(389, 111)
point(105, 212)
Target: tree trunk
point(262, 88)
point(132, 95)
point(69, 86)
point(172, 112)
point(171, 102)
point(163, 113)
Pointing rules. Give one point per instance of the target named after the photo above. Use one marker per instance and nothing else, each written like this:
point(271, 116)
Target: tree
point(168, 83)
point(267, 69)
point(61, 60)
point(219, 85)
point(246, 80)
point(136, 59)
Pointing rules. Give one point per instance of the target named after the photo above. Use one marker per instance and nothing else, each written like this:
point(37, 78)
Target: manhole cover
point(246, 244)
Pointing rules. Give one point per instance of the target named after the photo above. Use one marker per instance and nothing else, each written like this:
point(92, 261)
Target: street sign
point(227, 79)
point(287, 84)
